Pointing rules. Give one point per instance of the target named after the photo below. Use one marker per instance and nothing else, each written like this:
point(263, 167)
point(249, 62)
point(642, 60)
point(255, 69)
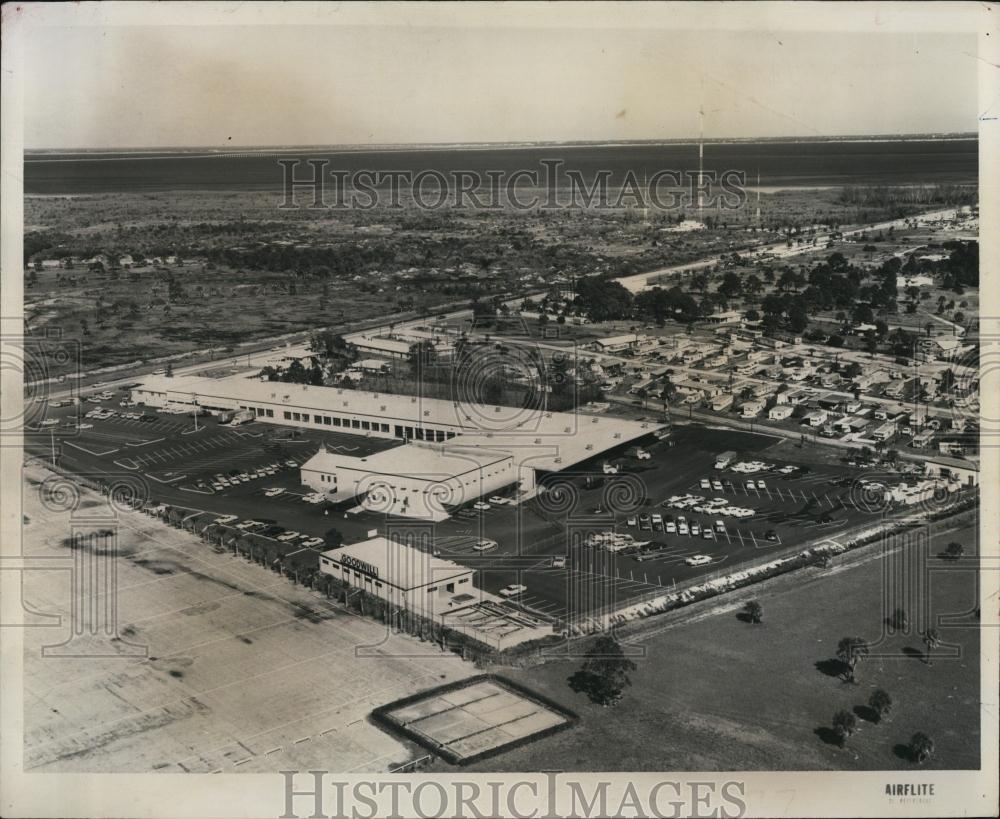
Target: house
point(780, 412)
point(372, 366)
point(965, 472)
point(615, 344)
point(884, 433)
point(752, 408)
point(816, 418)
point(725, 317)
point(722, 402)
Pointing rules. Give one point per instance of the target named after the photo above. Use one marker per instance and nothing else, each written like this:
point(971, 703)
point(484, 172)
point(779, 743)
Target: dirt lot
point(714, 693)
point(233, 668)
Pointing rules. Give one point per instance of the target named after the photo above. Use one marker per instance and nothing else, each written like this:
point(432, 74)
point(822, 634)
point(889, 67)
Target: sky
point(118, 87)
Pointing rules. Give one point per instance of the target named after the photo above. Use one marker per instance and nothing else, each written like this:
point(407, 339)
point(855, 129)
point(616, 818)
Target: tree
point(921, 747)
point(332, 539)
point(422, 356)
point(899, 621)
point(849, 651)
point(880, 702)
point(954, 550)
point(932, 639)
point(604, 674)
point(844, 724)
point(754, 611)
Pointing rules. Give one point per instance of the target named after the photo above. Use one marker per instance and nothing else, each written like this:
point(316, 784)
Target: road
point(780, 250)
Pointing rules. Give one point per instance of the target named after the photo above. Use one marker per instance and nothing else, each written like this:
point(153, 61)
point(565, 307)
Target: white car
point(313, 542)
point(720, 526)
point(695, 529)
point(707, 534)
point(656, 517)
point(610, 469)
point(751, 485)
point(480, 506)
point(706, 483)
point(225, 519)
point(86, 426)
point(787, 470)
point(559, 562)
point(288, 536)
point(632, 522)
point(497, 500)
point(50, 422)
point(761, 484)
point(485, 545)
point(670, 526)
point(272, 491)
point(717, 485)
point(291, 463)
point(642, 455)
point(698, 560)
point(513, 590)
point(682, 528)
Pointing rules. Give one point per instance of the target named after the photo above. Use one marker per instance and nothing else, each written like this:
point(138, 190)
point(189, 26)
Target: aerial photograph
point(414, 399)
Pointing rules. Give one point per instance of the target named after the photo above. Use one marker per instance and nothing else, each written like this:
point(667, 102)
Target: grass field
point(715, 693)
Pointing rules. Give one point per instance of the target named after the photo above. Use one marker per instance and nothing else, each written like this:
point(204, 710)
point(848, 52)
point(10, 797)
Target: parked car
point(632, 522)
point(288, 536)
point(485, 545)
point(513, 590)
point(698, 560)
point(273, 491)
point(225, 519)
point(771, 535)
point(720, 526)
point(480, 506)
point(559, 562)
point(706, 483)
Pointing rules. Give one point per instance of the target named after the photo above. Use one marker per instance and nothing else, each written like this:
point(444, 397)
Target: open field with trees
point(712, 690)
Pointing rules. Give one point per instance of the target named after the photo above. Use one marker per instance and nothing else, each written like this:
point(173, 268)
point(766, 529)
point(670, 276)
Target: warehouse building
point(418, 480)
point(401, 575)
point(475, 446)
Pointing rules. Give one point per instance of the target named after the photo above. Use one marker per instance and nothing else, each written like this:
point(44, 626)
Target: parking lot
point(216, 472)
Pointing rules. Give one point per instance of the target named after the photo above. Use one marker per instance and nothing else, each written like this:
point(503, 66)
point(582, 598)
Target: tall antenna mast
point(758, 196)
point(701, 159)
point(645, 197)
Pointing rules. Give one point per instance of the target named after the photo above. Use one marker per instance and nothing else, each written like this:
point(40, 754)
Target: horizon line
point(375, 146)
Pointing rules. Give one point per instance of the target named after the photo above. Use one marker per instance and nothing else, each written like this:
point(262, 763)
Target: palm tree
point(932, 639)
point(880, 702)
point(849, 651)
point(754, 611)
point(844, 724)
point(921, 747)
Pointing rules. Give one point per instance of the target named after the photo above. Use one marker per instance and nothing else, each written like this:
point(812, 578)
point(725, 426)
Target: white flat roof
point(396, 564)
point(433, 462)
point(554, 440)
